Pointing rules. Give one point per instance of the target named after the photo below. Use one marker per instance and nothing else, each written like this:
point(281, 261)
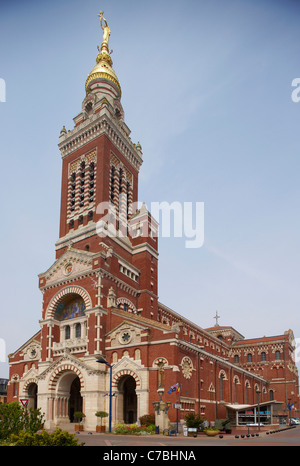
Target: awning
point(237, 407)
point(244, 411)
point(240, 407)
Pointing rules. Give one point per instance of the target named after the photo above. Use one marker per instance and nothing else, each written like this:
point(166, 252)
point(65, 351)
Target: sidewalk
point(236, 434)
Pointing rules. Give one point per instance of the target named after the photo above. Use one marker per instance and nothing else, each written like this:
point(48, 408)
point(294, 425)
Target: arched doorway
point(68, 396)
point(32, 390)
point(127, 399)
point(75, 402)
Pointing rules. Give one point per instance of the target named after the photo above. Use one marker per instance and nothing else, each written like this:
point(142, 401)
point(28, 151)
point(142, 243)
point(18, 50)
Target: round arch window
point(72, 306)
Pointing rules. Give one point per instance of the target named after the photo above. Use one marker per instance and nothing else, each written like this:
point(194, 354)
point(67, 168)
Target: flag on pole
point(290, 406)
point(173, 388)
point(178, 389)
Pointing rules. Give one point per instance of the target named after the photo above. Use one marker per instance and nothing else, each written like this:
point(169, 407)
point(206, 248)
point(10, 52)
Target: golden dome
point(103, 68)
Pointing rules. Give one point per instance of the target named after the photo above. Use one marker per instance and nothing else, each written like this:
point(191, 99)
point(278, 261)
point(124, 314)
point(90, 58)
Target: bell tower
point(99, 189)
point(100, 163)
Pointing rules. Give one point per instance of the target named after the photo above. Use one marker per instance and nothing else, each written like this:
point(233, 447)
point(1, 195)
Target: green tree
point(193, 420)
point(14, 419)
point(101, 414)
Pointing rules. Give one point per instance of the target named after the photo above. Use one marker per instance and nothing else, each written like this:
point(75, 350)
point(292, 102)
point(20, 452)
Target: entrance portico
point(67, 398)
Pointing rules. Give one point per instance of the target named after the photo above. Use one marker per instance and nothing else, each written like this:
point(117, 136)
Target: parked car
point(294, 421)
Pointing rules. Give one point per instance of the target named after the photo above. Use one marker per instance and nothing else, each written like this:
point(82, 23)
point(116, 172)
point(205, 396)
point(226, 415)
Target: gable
point(72, 263)
point(126, 333)
point(30, 350)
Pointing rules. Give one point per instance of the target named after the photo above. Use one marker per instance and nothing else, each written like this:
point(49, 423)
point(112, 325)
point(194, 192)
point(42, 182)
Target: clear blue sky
point(207, 91)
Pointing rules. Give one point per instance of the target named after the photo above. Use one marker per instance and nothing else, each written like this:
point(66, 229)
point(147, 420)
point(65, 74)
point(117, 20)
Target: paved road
point(289, 437)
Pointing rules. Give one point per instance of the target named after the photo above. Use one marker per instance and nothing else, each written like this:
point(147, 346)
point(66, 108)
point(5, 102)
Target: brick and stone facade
point(100, 298)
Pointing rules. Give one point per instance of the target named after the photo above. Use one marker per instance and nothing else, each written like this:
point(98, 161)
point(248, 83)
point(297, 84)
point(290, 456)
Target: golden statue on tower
point(106, 30)
point(103, 68)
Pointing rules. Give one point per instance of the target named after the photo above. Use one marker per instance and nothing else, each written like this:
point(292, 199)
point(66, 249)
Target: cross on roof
point(217, 317)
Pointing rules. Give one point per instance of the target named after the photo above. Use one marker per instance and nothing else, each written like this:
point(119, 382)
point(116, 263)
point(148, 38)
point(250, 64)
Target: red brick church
point(100, 300)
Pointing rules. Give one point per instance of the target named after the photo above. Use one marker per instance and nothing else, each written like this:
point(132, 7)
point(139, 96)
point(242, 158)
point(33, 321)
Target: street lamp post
point(258, 407)
point(102, 361)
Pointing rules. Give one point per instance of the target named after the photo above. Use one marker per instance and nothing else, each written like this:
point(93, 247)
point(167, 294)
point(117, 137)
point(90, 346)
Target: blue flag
point(173, 388)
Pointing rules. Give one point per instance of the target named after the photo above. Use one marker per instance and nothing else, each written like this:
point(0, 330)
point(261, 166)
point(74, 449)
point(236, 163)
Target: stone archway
point(132, 396)
point(127, 411)
point(75, 401)
point(31, 391)
point(63, 396)
point(66, 386)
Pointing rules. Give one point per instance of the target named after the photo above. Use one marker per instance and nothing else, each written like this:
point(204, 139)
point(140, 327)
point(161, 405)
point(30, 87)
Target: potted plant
point(211, 431)
point(101, 415)
point(79, 416)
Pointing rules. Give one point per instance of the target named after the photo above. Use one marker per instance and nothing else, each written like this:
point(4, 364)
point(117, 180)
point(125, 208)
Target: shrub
point(149, 429)
point(133, 429)
point(59, 438)
point(193, 420)
point(147, 420)
point(14, 418)
point(33, 420)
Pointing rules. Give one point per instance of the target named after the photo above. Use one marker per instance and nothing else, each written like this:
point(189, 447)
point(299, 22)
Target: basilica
point(100, 301)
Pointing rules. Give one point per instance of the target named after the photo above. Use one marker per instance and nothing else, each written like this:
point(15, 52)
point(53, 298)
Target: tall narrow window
point(235, 390)
point(246, 392)
point(277, 355)
point(249, 357)
point(67, 332)
point(82, 181)
point(127, 198)
point(78, 330)
point(120, 180)
point(263, 356)
point(92, 176)
point(81, 186)
point(221, 387)
point(73, 192)
point(112, 184)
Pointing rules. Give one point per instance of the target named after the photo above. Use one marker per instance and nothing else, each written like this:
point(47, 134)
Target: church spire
point(103, 71)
